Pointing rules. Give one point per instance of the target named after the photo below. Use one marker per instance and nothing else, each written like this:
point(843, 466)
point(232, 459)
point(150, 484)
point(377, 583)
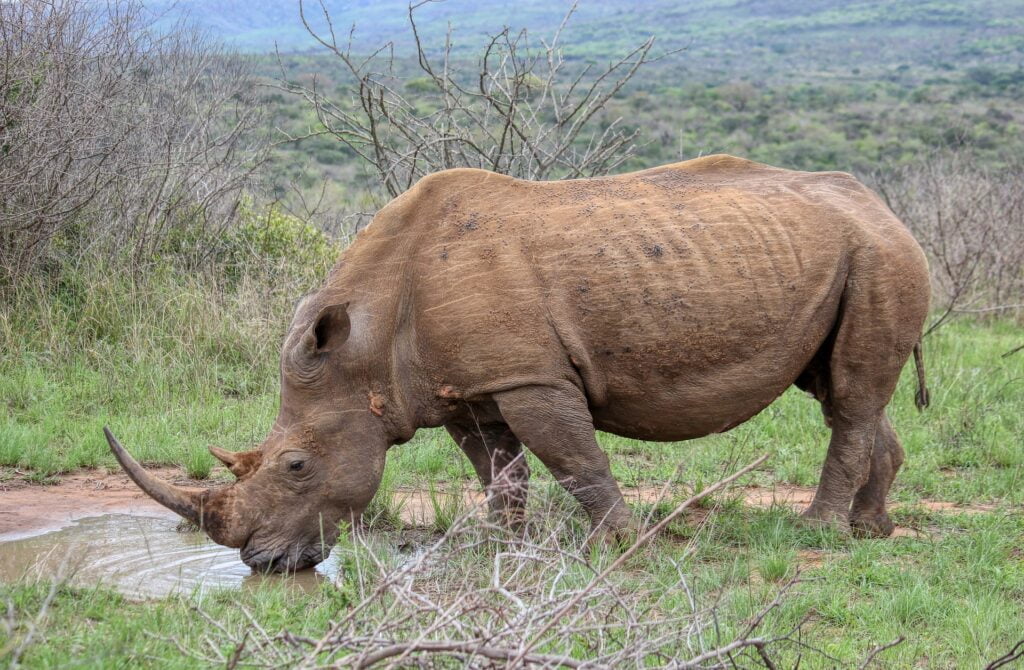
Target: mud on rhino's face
point(319, 467)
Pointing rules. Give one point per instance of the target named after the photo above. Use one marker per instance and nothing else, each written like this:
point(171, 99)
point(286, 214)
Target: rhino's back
point(697, 291)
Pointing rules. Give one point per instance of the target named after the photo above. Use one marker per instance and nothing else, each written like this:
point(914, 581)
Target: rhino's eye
point(295, 466)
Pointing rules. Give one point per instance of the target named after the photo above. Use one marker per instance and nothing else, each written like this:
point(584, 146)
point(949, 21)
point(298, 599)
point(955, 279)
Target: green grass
point(956, 596)
point(183, 363)
point(385, 510)
point(100, 629)
point(171, 365)
point(446, 506)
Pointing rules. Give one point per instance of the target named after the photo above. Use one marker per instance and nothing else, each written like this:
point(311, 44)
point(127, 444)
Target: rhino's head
point(321, 463)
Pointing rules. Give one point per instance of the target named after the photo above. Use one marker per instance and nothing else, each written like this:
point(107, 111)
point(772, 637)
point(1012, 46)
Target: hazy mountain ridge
point(830, 29)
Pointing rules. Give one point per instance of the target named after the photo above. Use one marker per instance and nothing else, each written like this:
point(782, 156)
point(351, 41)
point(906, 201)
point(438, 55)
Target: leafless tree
point(522, 110)
point(969, 218)
point(114, 133)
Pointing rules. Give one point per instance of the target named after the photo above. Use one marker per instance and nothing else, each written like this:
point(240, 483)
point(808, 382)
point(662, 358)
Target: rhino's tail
point(922, 399)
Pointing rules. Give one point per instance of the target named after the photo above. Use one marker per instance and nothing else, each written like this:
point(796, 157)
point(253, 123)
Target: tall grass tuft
point(171, 360)
point(447, 507)
point(385, 510)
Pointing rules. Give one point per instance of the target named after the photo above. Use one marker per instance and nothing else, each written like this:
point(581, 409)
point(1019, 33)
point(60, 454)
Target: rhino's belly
point(680, 391)
point(690, 403)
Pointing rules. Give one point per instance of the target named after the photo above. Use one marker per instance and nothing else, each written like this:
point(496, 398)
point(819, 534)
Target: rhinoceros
point(664, 305)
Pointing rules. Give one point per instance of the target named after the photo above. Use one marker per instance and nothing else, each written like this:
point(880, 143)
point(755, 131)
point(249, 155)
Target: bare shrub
point(969, 218)
point(483, 596)
point(521, 110)
point(115, 136)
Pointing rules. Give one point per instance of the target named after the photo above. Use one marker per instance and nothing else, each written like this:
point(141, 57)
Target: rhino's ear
point(329, 330)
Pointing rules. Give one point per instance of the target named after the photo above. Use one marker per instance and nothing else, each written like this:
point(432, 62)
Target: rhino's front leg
point(555, 424)
point(497, 456)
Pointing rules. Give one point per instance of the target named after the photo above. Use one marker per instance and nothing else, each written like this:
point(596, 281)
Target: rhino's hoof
point(818, 518)
point(604, 538)
point(872, 525)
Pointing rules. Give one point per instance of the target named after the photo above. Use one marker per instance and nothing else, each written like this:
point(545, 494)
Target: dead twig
point(1015, 654)
point(468, 648)
point(878, 649)
point(1011, 352)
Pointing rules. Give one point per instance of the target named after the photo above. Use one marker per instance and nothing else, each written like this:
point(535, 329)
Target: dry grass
point(483, 596)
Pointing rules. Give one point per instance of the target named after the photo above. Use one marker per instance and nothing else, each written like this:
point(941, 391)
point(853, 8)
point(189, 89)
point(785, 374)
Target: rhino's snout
point(287, 560)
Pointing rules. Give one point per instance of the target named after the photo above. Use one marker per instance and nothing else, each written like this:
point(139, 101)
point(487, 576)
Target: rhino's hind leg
point(868, 515)
point(878, 325)
point(497, 456)
point(846, 470)
point(555, 424)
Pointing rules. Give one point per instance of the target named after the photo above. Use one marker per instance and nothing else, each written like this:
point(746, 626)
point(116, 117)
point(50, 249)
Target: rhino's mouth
point(283, 560)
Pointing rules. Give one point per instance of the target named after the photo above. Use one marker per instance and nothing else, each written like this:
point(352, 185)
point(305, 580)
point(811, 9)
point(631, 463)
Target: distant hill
point(831, 32)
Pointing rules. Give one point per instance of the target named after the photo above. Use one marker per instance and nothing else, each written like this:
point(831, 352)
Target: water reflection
point(140, 556)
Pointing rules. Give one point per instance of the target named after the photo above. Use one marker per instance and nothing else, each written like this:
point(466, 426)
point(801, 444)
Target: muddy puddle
point(140, 556)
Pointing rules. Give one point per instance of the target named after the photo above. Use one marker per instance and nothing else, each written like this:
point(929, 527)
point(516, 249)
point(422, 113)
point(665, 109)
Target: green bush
point(270, 241)
point(421, 85)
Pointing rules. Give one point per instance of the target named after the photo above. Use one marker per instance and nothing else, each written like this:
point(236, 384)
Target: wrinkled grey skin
point(661, 305)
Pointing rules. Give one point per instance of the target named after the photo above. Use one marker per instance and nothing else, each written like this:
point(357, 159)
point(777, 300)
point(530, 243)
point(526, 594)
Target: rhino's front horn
point(186, 502)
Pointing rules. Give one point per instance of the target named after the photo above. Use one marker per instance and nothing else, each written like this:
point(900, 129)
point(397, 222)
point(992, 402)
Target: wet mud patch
point(27, 509)
point(794, 497)
point(419, 506)
point(95, 527)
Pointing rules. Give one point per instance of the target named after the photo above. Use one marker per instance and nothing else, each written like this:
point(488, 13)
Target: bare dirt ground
point(27, 508)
